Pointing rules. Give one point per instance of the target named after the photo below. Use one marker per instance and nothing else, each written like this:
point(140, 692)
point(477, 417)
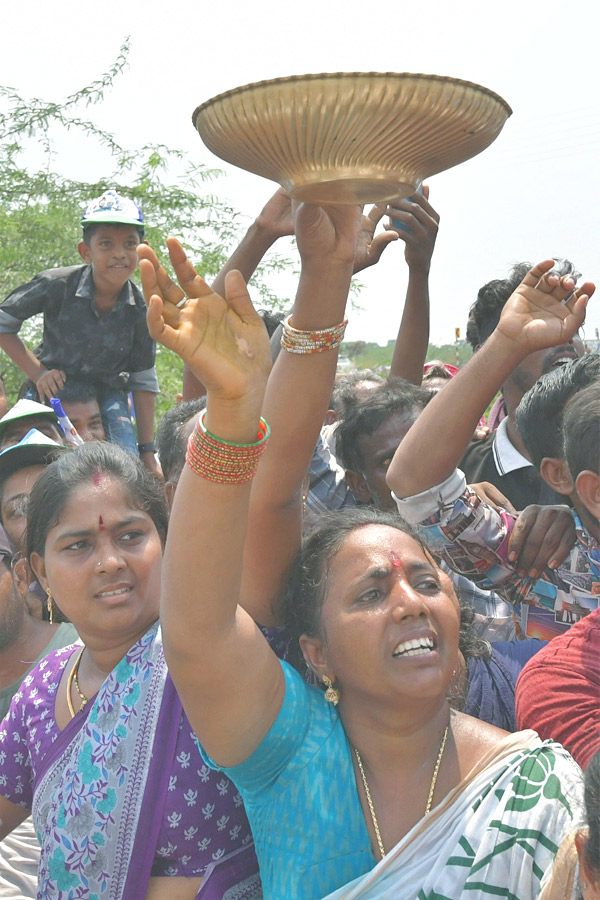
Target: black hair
point(309, 581)
point(367, 415)
point(170, 442)
point(539, 414)
point(272, 320)
point(484, 314)
point(52, 490)
point(591, 796)
point(77, 390)
point(88, 231)
point(581, 429)
point(345, 394)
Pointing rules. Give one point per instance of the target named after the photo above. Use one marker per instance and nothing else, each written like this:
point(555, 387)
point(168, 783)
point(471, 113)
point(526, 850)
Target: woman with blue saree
point(373, 788)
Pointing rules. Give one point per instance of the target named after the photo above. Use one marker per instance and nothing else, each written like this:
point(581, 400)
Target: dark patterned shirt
point(114, 349)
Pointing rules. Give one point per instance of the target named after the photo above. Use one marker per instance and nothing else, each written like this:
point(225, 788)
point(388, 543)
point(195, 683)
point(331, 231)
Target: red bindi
point(395, 560)
point(100, 523)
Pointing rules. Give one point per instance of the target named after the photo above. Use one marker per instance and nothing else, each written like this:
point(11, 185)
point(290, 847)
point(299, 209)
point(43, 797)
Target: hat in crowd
point(449, 369)
point(113, 209)
point(25, 409)
point(33, 450)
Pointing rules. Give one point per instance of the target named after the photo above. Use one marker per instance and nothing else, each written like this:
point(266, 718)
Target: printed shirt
point(114, 349)
point(473, 538)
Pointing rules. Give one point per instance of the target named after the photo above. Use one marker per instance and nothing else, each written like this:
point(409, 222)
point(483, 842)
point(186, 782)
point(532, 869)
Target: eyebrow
point(86, 532)
point(385, 452)
point(379, 573)
point(8, 500)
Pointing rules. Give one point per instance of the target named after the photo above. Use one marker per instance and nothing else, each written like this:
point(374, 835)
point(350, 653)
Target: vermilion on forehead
point(395, 560)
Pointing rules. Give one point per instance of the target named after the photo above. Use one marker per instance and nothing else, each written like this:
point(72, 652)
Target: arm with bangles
point(225, 345)
point(213, 648)
point(419, 234)
point(296, 401)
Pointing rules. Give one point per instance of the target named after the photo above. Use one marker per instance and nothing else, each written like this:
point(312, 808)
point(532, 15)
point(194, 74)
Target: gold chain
point(429, 798)
point(73, 679)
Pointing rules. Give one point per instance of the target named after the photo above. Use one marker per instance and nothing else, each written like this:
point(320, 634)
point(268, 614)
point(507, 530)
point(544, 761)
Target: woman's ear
point(38, 568)
point(315, 656)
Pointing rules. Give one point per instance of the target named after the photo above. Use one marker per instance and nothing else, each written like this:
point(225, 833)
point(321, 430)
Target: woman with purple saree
point(95, 742)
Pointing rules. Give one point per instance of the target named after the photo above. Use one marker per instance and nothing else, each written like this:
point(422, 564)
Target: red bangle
point(224, 462)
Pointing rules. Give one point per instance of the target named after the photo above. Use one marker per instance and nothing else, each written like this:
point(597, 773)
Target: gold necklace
point(429, 798)
point(74, 680)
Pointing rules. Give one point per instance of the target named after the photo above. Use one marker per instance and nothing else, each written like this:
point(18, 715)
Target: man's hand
point(542, 536)
point(276, 218)
point(545, 310)
point(421, 221)
point(49, 383)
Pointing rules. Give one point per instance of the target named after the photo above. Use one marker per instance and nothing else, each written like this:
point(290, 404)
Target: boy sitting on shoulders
point(94, 324)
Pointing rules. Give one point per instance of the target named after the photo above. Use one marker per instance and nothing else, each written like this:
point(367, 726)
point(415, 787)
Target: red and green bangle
point(225, 462)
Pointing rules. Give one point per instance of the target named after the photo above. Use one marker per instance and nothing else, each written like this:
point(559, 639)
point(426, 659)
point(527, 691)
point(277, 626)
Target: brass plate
point(356, 137)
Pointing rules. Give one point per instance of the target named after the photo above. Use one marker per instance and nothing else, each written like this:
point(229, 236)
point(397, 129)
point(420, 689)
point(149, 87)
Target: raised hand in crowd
point(420, 227)
point(545, 310)
point(222, 340)
point(420, 224)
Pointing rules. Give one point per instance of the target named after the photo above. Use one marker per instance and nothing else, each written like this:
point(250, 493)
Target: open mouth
point(115, 593)
point(562, 361)
point(415, 647)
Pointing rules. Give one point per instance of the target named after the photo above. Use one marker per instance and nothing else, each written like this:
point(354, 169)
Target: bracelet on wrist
point(221, 461)
point(316, 341)
point(148, 447)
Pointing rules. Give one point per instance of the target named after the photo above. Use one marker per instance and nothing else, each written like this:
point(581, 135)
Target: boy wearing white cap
point(94, 324)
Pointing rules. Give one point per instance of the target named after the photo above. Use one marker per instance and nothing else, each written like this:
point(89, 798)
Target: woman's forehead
point(378, 542)
point(102, 499)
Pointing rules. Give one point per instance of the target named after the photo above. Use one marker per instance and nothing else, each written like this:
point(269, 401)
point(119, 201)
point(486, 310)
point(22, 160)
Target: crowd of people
point(323, 636)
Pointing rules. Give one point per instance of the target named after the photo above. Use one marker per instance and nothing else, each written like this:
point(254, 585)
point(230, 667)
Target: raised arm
point(296, 402)
point(420, 221)
point(535, 316)
point(230, 682)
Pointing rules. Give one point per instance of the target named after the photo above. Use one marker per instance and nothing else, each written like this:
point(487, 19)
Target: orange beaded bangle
point(224, 462)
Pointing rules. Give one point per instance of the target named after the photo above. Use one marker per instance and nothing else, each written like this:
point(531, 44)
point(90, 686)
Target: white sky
point(534, 193)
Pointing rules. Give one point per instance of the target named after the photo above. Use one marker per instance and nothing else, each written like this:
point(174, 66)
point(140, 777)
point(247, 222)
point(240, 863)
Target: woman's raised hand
point(223, 341)
point(327, 235)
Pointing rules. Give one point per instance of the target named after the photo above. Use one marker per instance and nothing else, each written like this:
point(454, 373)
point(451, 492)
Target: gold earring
point(332, 695)
point(50, 606)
